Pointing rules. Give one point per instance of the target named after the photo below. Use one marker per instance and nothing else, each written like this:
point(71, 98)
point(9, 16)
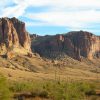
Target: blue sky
point(54, 16)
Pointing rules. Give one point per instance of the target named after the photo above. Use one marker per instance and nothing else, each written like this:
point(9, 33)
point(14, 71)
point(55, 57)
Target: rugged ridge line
point(76, 44)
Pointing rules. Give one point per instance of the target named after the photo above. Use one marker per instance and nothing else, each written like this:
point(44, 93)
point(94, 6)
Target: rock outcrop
point(74, 44)
point(34, 36)
point(13, 36)
point(87, 43)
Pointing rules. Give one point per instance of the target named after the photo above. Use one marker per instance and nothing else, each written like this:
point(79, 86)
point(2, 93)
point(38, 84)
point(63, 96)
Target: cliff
point(76, 44)
point(13, 36)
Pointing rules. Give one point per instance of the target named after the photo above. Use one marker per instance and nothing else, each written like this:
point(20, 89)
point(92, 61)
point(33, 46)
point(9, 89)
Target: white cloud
point(4, 3)
point(28, 24)
point(71, 19)
point(55, 4)
point(70, 13)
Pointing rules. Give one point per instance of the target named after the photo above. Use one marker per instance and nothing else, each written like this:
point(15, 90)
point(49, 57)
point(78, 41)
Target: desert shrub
point(5, 94)
point(24, 86)
point(69, 90)
point(20, 87)
point(54, 90)
point(87, 89)
point(43, 94)
point(63, 91)
point(34, 93)
point(39, 93)
point(90, 92)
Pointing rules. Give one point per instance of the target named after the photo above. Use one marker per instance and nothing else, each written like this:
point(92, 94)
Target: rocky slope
point(74, 44)
point(13, 36)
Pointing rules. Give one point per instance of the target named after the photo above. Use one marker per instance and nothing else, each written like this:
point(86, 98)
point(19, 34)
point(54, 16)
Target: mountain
point(34, 65)
point(23, 56)
point(31, 52)
point(13, 37)
point(76, 44)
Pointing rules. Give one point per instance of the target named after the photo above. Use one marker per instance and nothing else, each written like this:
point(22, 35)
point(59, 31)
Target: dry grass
point(25, 68)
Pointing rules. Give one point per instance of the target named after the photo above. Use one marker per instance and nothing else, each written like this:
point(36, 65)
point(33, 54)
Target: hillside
point(74, 56)
point(76, 51)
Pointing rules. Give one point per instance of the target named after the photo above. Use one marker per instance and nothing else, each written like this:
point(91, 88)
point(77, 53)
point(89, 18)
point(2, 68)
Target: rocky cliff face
point(87, 44)
point(73, 44)
point(13, 35)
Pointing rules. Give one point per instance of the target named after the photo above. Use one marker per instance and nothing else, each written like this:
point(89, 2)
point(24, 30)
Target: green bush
point(20, 87)
point(54, 90)
point(87, 89)
point(5, 94)
point(43, 94)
